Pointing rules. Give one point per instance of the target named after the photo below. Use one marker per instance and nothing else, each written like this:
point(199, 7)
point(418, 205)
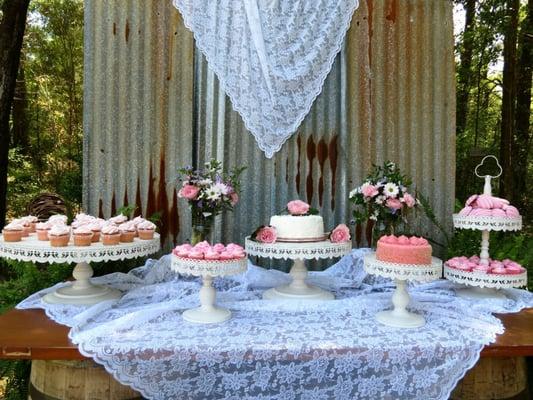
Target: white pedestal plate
point(298, 289)
point(399, 317)
point(208, 312)
point(81, 290)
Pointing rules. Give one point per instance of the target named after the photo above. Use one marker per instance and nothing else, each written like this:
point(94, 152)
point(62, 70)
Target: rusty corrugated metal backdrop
point(151, 102)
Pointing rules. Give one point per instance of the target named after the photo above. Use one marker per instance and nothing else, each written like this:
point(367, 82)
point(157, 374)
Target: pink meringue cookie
point(181, 253)
point(498, 202)
point(485, 201)
point(239, 254)
point(465, 211)
point(202, 245)
point(499, 270)
point(196, 254)
point(219, 247)
point(482, 269)
point(234, 247)
point(514, 269)
point(471, 200)
point(464, 267)
point(512, 212)
point(474, 259)
point(498, 212)
point(226, 255)
point(481, 212)
point(211, 255)
point(507, 261)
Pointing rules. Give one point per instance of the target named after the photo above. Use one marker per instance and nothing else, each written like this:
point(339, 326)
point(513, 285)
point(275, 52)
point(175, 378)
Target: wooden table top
point(30, 334)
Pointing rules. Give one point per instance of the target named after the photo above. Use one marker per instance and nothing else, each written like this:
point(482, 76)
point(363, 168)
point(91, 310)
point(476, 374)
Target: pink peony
point(409, 200)
point(266, 234)
point(190, 192)
point(340, 234)
point(369, 190)
point(234, 198)
point(395, 204)
point(297, 207)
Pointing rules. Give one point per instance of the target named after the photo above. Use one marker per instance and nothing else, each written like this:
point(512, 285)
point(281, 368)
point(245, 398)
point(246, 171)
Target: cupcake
point(58, 219)
point(146, 230)
point(95, 228)
point(119, 219)
point(33, 220)
point(59, 235)
point(127, 232)
point(26, 225)
point(42, 229)
point(13, 232)
point(110, 235)
point(83, 236)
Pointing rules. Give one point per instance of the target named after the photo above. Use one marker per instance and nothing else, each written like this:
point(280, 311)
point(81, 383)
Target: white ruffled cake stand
point(480, 285)
point(208, 312)
point(81, 291)
point(298, 289)
point(399, 317)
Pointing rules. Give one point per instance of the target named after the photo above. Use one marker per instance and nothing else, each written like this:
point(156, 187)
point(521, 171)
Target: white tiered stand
point(479, 285)
point(399, 317)
point(298, 289)
point(81, 290)
point(208, 312)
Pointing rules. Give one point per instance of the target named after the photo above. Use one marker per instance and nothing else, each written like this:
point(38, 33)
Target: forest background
point(41, 135)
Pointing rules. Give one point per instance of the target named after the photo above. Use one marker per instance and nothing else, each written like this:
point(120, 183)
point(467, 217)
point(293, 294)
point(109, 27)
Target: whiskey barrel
point(75, 380)
point(494, 378)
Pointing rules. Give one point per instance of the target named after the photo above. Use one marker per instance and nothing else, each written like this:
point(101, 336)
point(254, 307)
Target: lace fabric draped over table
point(282, 350)
point(271, 57)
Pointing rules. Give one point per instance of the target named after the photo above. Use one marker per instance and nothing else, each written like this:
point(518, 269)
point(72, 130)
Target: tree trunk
point(463, 72)
point(509, 96)
point(12, 26)
point(521, 143)
point(19, 114)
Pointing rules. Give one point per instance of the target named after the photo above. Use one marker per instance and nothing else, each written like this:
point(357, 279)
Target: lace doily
point(494, 281)
point(293, 251)
point(274, 350)
point(204, 267)
point(271, 57)
point(408, 272)
point(487, 223)
point(32, 250)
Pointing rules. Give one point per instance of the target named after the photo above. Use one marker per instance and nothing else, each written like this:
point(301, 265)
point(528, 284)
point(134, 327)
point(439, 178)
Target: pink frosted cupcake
point(95, 228)
point(33, 220)
point(58, 219)
point(146, 230)
point(118, 219)
point(59, 235)
point(127, 232)
point(42, 229)
point(110, 235)
point(83, 236)
point(26, 225)
point(13, 232)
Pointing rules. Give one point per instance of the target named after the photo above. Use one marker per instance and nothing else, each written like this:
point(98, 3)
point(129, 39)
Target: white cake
point(294, 227)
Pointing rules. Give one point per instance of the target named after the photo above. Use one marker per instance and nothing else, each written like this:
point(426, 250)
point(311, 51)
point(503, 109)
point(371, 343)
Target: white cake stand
point(208, 312)
point(81, 291)
point(298, 289)
point(399, 317)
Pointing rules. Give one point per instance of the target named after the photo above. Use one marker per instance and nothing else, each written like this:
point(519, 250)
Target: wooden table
point(30, 334)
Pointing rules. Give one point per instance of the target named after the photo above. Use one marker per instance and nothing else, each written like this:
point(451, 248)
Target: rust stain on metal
point(162, 199)
point(392, 10)
point(113, 204)
point(138, 201)
point(100, 209)
point(114, 28)
point(125, 202)
point(311, 154)
point(127, 30)
point(358, 234)
point(297, 178)
point(368, 231)
point(370, 9)
point(333, 154)
point(150, 202)
point(174, 218)
point(322, 154)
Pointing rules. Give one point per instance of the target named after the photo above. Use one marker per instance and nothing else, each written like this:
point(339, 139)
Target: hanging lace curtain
point(270, 56)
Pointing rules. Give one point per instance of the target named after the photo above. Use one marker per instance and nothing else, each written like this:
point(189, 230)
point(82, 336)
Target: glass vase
point(200, 232)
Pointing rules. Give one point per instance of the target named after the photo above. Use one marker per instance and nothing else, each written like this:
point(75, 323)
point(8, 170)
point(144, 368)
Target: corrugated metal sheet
point(390, 95)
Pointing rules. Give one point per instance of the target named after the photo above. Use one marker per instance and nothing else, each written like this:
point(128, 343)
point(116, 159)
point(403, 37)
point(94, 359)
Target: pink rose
point(409, 200)
point(340, 234)
point(297, 207)
point(266, 234)
point(234, 198)
point(369, 190)
point(190, 192)
point(395, 204)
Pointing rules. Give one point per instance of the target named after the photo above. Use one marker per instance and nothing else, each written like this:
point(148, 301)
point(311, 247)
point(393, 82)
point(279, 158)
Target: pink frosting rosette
point(340, 234)
point(297, 207)
point(266, 234)
point(189, 192)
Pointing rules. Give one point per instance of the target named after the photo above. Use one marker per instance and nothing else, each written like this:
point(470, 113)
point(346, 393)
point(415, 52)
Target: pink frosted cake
point(484, 205)
point(404, 250)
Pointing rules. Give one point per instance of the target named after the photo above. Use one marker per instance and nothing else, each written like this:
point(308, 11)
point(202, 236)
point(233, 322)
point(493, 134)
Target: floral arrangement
point(209, 193)
point(384, 197)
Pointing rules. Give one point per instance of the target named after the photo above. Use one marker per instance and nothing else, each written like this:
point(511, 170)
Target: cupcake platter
point(399, 317)
point(481, 276)
point(298, 289)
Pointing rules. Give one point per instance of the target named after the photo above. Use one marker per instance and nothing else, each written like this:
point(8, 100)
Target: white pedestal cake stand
point(298, 289)
point(399, 317)
point(81, 291)
point(208, 312)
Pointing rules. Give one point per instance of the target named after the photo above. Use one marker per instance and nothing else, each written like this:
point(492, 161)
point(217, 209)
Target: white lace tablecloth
point(273, 350)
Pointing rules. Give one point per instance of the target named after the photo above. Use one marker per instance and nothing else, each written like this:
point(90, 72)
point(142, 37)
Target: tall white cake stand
point(81, 291)
point(399, 317)
point(477, 285)
point(208, 312)
point(298, 289)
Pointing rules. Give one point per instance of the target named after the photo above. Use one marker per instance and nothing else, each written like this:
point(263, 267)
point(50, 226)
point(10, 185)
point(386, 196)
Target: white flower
point(207, 214)
point(391, 189)
point(353, 193)
point(373, 217)
point(212, 194)
point(221, 188)
point(205, 182)
point(380, 199)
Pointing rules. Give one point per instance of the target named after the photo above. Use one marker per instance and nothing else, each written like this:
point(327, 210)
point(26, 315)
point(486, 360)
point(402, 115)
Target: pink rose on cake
point(297, 207)
point(340, 234)
point(265, 234)
point(189, 192)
